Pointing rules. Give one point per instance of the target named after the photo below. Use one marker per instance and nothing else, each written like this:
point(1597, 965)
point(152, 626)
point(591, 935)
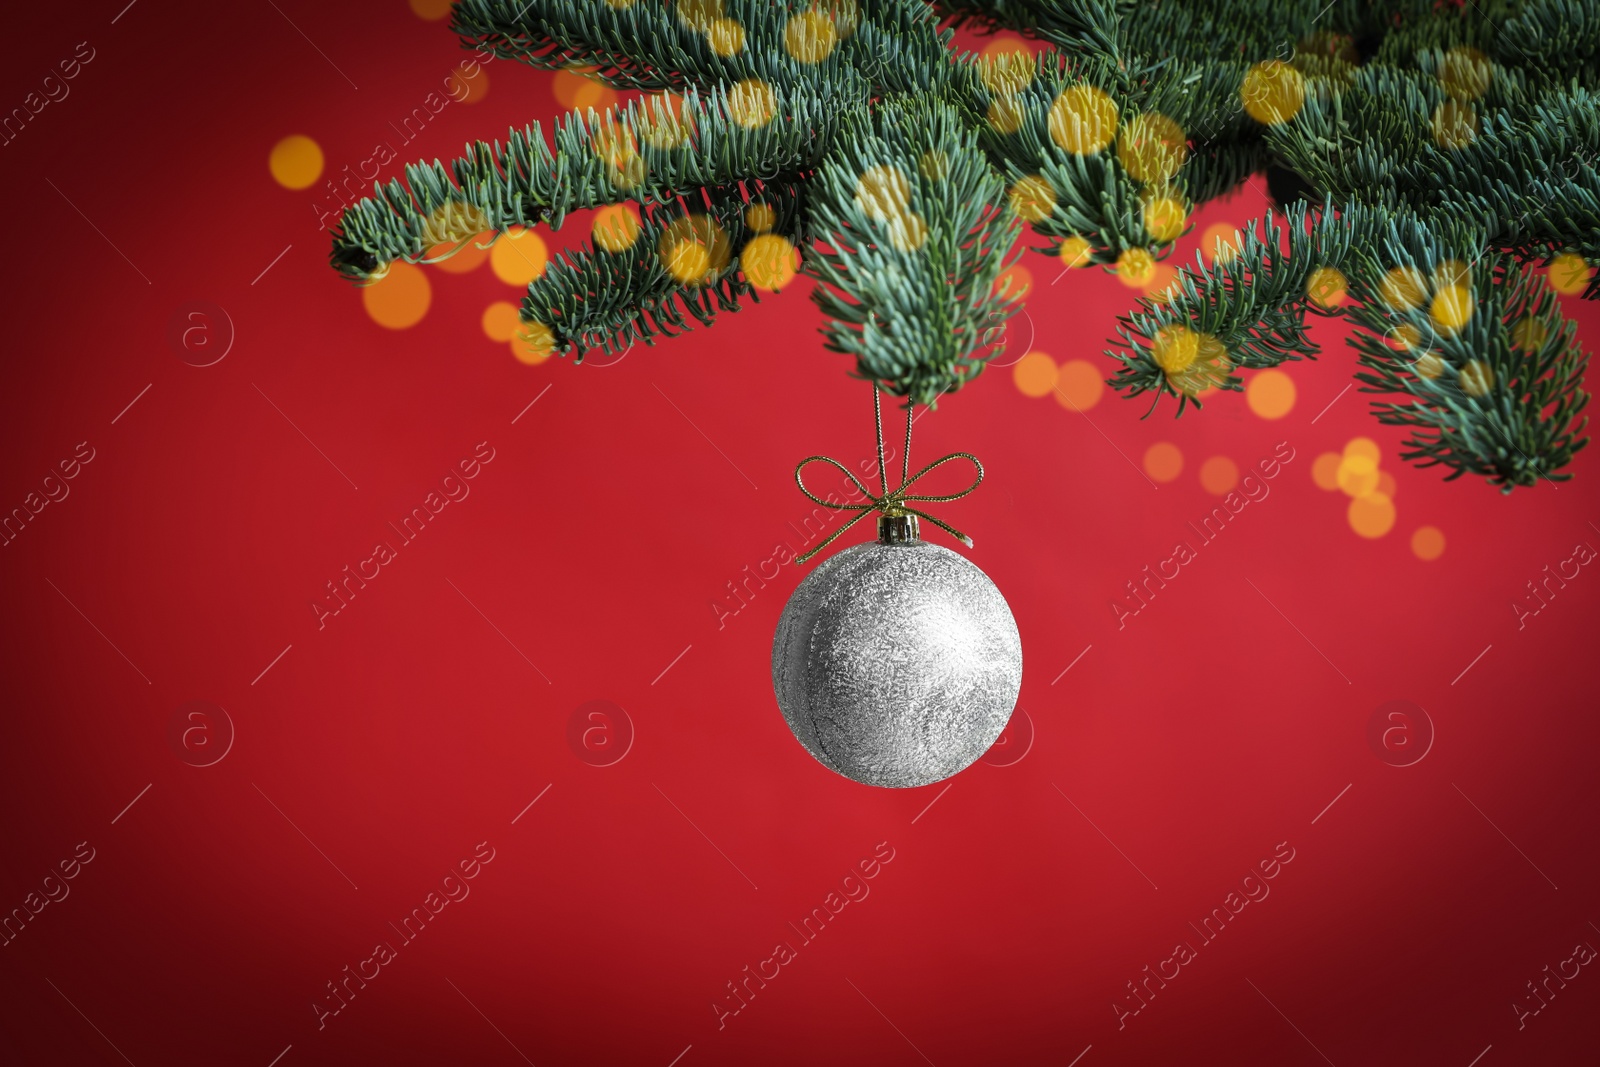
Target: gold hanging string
point(889, 503)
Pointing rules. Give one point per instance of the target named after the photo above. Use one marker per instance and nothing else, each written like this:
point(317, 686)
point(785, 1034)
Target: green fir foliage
point(1446, 152)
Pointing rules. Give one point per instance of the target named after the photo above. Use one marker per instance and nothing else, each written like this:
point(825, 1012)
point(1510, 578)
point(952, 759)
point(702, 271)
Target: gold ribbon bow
point(889, 503)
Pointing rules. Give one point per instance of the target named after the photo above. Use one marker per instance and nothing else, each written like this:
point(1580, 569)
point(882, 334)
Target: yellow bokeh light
point(534, 344)
point(1451, 272)
point(1273, 92)
point(1192, 361)
point(768, 262)
point(451, 223)
point(1372, 515)
point(573, 89)
point(1005, 43)
point(1477, 378)
point(844, 14)
point(699, 14)
point(518, 257)
point(1162, 285)
point(1005, 114)
point(1451, 309)
point(1569, 274)
point(726, 37)
point(1220, 241)
point(1033, 198)
point(1428, 366)
point(1357, 475)
point(1135, 266)
point(1035, 374)
point(752, 103)
point(908, 232)
point(669, 129)
point(1152, 147)
point(615, 144)
point(295, 162)
point(593, 96)
point(615, 227)
point(1083, 120)
point(1327, 287)
point(1325, 471)
point(1163, 461)
point(1006, 73)
point(564, 86)
point(1386, 484)
point(1075, 252)
point(1079, 385)
point(810, 37)
point(1402, 338)
point(760, 217)
point(1403, 288)
point(1175, 348)
point(469, 256)
point(1015, 281)
point(1218, 475)
point(400, 298)
point(1270, 394)
point(468, 89)
point(1364, 447)
point(1466, 73)
point(1529, 334)
point(432, 10)
point(1455, 124)
point(884, 192)
point(693, 249)
point(1165, 218)
point(628, 172)
point(687, 261)
point(501, 320)
point(1427, 543)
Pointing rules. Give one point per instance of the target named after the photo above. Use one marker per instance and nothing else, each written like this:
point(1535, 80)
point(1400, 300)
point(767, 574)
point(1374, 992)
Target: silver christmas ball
point(897, 664)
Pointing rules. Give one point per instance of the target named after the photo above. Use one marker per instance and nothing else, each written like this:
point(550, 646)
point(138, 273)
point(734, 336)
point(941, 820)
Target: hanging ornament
point(897, 662)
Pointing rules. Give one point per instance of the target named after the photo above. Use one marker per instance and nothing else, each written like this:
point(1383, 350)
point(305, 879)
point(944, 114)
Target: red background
point(412, 727)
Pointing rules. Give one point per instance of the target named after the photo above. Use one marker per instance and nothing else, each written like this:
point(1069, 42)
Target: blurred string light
point(1357, 473)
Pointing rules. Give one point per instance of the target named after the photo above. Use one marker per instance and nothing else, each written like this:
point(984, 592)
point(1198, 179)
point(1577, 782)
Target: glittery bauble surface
point(897, 665)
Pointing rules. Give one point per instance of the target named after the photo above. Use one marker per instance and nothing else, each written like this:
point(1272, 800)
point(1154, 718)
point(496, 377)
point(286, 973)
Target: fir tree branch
point(1089, 27)
point(1445, 141)
point(645, 152)
point(915, 230)
point(894, 44)
point(1247, 311)
point(1052, 139)
point(651, 281)
point(1472, 340)
point(1554, 41)
point(632, 46)
point(1500, 398)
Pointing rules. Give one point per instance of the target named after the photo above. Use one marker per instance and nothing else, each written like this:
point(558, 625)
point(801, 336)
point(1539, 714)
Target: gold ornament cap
point(898, 529)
